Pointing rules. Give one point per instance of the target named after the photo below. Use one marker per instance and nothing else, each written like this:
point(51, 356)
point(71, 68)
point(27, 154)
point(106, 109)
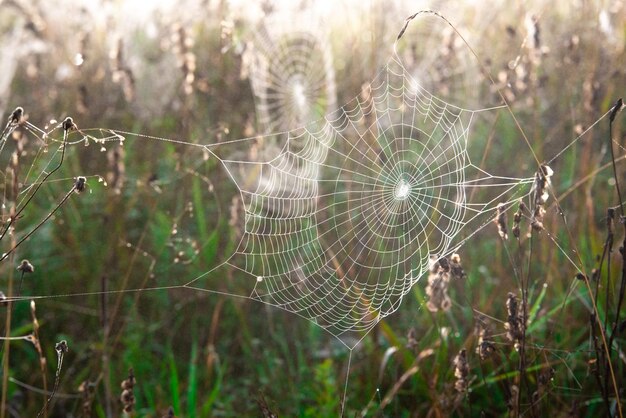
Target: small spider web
point(290, 65)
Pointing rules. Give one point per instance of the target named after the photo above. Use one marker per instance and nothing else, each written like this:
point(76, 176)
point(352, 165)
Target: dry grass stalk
point(37, 344)
point(186, 58)
point(121, 73)
point(62, 349)
point(88, 391)
point(264, 407)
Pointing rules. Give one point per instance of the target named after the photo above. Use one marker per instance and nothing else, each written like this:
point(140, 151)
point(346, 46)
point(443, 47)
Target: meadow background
point(157, 213)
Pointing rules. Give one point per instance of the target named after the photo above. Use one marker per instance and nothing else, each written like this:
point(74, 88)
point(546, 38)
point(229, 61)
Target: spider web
point(290, 66)
point(346, 217)
point(344, 221)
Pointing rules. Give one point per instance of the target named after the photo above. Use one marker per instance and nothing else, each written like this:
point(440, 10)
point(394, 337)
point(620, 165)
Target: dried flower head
point(461, 371)
point(485, 347)
point(26, 267)
point(514, 324)
point(69, 125)
point(16, 116)
point(128, 397)
point(517, 219)
point(81, 184)
point(456, 269)
point(437, 288)
point(169, 413)
point(61, 347)
point(537, 219)
point(501, 221)
point(411, 338)
point(88, 391)
point(617, 107)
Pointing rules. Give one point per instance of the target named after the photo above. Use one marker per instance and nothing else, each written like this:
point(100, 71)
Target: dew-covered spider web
point(290, 66)
point(344, 218)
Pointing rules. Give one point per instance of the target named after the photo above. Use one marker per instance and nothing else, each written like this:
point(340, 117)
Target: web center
point(402, 190)
point(299, 95)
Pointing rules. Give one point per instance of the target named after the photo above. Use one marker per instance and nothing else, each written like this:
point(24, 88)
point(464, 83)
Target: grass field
point(119, 208)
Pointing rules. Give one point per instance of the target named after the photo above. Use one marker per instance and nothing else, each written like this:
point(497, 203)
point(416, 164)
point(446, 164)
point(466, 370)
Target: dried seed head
point(617, 107)
point(501, 221)
point(411, 337)
point(61, 347)
point(80, 184)
point(26, 267)
point(456, 270)
point(515, 323)
point(16, 116)
point(437, 288)
point(69, 125)
point(444, 264)
point(461, 371)
point(485, 348)
point(266, 412)
point(517, 219)
point(542, 184)
point(169, 413)
point(128, 398)
point(129, 382)
point(537, 219)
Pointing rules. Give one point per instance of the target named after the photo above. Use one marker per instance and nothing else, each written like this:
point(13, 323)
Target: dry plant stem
point(57, 378)
point(25, 204)
point(108, 393)
point(524, 307)
point(42, 359)
point(5, 357)
point(616, 108)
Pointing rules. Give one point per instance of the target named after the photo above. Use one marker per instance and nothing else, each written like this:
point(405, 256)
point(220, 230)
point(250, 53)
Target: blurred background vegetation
point(159, 213)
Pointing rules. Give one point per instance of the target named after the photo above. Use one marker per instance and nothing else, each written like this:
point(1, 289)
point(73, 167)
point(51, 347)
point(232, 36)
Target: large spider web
point(346, 217)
